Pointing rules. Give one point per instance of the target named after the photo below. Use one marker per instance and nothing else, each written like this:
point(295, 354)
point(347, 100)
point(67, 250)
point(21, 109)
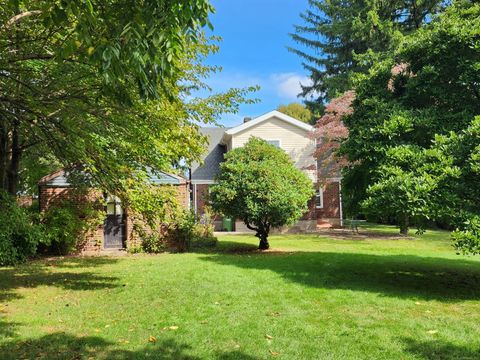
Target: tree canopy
point(335, 33)
point(297, 111)
point(259, 184)
point(412, 144)
point(105, 86)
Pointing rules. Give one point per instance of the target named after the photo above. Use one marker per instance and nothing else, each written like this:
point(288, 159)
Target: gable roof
point(275, 113)
point(213, 157)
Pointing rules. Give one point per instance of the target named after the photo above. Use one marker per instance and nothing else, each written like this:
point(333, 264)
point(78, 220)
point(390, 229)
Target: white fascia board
point(202, 182)
point(268, 116)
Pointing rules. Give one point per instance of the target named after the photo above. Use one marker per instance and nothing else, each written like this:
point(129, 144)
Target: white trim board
point(203, 182)
point(268, 116)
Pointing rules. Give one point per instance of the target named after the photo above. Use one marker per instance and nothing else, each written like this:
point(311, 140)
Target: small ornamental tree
point(330, 132)
point(260, 185)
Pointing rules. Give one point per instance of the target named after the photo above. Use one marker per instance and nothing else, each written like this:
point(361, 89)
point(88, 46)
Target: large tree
point(335, 32)
point(424, 91)
point(105, 85)
point(260, 185)
point(297, 111)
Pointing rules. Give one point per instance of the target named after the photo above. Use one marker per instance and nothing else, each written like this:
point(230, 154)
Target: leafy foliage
point(183, 233)
point(297, 111)
point(19, 236)
point(467, 241)
point(335, 32)
point(260, 185)
point(412, 144)
point(67, 223)
point(105, 85)
point(330, 132)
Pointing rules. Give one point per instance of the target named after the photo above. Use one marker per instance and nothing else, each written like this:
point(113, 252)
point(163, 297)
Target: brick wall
point(311, 212)
point(201, 195)
point(330, 212)
point(93, 241)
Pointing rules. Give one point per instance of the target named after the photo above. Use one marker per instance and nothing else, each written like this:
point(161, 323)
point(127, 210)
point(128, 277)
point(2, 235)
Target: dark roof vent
point(247, 119)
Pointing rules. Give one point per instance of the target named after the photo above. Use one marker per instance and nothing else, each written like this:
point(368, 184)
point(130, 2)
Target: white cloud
point(288, 85)
point(226, 80)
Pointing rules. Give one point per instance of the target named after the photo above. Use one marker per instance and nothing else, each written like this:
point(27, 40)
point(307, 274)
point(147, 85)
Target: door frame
point(117, 204)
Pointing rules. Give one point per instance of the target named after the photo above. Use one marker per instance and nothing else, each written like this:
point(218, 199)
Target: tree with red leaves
point(329, 132)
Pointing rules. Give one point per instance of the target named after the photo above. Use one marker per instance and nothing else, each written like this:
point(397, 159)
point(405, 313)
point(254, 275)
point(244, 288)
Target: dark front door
point(114, 226)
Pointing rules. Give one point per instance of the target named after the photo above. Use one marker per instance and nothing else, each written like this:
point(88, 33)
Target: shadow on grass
point(7, 329)
point(75, 262)
point(402, 276)
point(65, 346)
point(227, 247)
point(46, 274)
point(440, 350)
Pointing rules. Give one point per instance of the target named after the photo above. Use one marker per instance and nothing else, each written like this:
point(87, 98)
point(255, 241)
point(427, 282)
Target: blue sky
point(254, 52)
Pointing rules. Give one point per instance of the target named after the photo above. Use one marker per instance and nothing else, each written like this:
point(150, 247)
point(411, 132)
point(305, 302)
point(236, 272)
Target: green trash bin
point(227, 224)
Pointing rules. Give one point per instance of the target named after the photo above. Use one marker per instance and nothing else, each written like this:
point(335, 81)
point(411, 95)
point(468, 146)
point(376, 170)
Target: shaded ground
point(310, 297)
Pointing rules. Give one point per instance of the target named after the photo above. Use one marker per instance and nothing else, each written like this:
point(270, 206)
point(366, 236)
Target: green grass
point(311, 297)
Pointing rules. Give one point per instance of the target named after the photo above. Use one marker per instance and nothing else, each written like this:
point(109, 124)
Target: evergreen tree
point(335, 31)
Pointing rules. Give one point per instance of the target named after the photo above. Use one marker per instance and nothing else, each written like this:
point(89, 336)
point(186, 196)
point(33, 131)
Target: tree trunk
point(404, 226)
point(3, 155)
point(14, 166)
point(264, 245)
point(262, 234)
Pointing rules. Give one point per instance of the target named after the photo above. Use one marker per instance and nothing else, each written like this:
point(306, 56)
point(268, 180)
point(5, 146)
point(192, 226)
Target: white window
point(274, 142)
point(319, 199)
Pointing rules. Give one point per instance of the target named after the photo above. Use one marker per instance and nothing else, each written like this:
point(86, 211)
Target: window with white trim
point(319, 199)
point(274, 142)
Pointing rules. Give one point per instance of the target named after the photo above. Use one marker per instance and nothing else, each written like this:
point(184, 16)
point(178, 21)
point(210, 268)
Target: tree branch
point(250, 227)
point(19, 17)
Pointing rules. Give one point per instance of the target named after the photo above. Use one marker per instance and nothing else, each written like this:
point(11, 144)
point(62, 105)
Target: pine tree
point(334, 31)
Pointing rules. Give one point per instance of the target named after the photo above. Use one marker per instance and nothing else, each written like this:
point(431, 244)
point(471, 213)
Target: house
point(287, 133)
point(116, 231)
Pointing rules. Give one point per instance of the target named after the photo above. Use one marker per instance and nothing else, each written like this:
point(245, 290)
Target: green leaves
point(467, 239)
point(260, 185)
point(412, 142)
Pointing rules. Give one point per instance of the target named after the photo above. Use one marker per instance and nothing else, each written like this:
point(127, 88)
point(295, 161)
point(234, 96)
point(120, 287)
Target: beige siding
point(293, 140)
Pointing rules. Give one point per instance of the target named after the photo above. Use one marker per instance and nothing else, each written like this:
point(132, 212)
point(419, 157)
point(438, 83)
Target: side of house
point(289, 134)
point(116, 231)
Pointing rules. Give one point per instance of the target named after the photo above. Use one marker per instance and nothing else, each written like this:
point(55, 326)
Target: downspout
point(195, 198)
point(340, 197)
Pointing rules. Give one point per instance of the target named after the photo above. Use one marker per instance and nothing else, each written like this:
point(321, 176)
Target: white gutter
point(340, 196)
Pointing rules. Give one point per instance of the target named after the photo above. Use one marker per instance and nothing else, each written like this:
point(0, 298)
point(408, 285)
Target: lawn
point(310, 297)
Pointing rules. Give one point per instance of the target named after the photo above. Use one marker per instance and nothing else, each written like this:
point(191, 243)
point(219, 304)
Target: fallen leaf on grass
point(274, 353)
point(432, 331)
point(269, 337)
point(204, 322)
point(170, 328)
point(417, 303)
point(276, 313)
point(152, 339)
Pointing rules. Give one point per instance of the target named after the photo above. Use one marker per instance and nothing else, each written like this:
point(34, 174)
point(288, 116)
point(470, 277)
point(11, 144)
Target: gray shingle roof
point(213, 157)
point(60, 179)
